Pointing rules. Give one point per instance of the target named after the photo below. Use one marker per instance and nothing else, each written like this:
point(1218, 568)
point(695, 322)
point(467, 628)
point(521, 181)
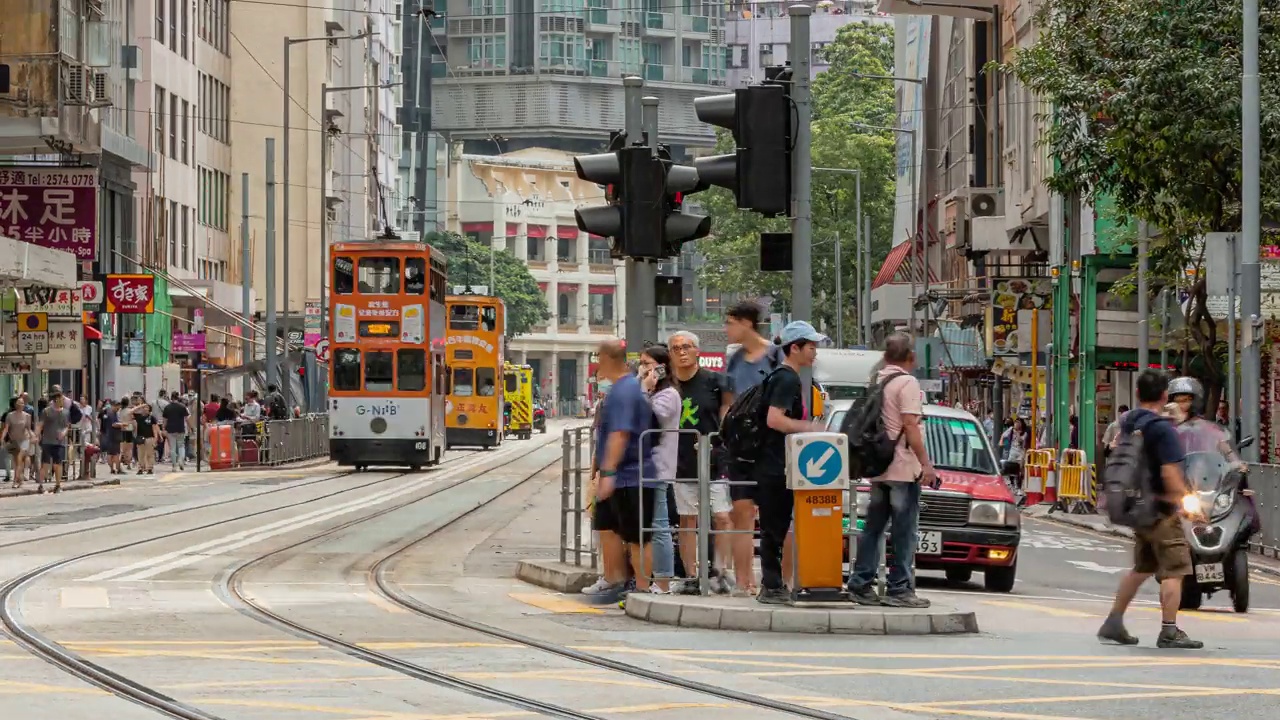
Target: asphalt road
point(158, 613)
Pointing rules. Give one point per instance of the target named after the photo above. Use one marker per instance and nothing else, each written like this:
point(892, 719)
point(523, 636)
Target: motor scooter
point(1219, 539)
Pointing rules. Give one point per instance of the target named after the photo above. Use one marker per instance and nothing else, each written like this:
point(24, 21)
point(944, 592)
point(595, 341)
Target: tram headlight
point(378, 425)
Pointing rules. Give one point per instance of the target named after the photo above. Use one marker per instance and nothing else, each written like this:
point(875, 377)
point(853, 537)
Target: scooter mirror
point(1246, 442)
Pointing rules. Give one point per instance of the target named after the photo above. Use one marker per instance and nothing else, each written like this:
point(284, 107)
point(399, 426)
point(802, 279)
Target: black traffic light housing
point(759, 171)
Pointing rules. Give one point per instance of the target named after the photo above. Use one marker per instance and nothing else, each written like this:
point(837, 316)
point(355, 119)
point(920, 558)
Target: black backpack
point(1127, 495)
point(872, 448)
point(276, 409)
point(74, 415)
point(741, 431)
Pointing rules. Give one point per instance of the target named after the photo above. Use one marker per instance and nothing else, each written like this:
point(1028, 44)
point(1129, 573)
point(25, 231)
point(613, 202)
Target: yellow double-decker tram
point(518, 388)
point(475, 346)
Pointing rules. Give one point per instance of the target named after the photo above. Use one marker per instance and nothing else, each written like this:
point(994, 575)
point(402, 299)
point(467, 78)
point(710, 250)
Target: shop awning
point(23, 264)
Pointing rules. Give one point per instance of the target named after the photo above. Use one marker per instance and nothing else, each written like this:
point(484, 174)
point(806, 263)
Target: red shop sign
point(130, 294)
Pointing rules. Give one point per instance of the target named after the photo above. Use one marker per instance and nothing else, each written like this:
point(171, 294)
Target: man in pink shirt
point(895, 495)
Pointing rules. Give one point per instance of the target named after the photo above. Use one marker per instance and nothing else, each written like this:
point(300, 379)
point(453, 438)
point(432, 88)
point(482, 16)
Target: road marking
point(1059, 612)
point(150, 567)
point(377, 600)
point(84, 598)
point(1174, 693)
point(1091, 565)
point(1208, 615)
point(555, 603)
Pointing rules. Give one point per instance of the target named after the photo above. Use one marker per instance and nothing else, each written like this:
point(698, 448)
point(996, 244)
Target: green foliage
point(469, 265)
point(1146, 103)
point(839, 100)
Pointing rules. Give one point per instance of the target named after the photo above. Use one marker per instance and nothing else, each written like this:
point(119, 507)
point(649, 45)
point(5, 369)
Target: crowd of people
point(650, 479)
point(42, 439)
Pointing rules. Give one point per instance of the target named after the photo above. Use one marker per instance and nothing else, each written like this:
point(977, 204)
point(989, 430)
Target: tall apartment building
point(758, 34)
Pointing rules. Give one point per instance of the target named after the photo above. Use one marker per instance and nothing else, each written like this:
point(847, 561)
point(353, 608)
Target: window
point(159, 122)
point(380, 276)
point(510, 384)
point(173, 126)
point(160, 22)
point(344, 282)
point(186, 19)
point(173, 24)
point(415, 276)
point(601, 307)
point(464, 317)
point(186, 121)
point(346, 369)
point(958, 444)
point(489, 318)
point(379, 371)
point(533, 249)
point(186, 237)
point(437, 286)
point(411, 370)
point(173, 226)
point(463, 382)
point(486, 380)
point(565, 251)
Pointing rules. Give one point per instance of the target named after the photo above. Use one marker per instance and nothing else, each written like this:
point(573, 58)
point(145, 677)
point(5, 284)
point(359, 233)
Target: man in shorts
point(1162, 550)
point(623, 503)
point(705, 398)
point(52, 431)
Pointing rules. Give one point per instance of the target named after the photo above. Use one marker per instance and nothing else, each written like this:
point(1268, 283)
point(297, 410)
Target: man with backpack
point(887, 436)
point(779, 403)
point(1143, 485)
point(277, 409)
point(756, 358)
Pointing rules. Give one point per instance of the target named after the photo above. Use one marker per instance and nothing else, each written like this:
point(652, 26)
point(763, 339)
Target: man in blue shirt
point(624, 504)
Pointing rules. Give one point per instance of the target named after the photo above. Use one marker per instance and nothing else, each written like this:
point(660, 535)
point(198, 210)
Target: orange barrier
point(1037, 474)
point(222, 447)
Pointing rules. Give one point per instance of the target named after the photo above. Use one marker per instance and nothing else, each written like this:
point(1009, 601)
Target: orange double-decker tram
point(386, 354)
point(475, 346)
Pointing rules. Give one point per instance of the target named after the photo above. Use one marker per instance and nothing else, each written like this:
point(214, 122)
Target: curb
point(556, 576)
point(747, 616)
point(33, 489)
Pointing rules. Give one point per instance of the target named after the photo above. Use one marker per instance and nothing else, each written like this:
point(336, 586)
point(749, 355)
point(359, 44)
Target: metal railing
point(577, 496)
point(1264, 480)
point(277, 442)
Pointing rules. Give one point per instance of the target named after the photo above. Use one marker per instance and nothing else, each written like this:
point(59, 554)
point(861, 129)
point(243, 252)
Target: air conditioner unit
point(986, 204)
point(101, 96)
point(77, 86)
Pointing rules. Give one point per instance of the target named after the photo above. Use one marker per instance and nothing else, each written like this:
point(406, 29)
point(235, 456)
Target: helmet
point(1188, 386)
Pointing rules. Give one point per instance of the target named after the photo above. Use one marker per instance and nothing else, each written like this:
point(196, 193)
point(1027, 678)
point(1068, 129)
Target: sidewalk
point(1097, 522)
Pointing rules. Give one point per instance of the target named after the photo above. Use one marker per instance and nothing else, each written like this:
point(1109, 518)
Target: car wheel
point(959, 575)
point(1000, 579)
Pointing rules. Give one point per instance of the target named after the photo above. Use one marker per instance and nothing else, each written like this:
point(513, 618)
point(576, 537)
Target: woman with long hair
point(1014, 441)
point(657, 377)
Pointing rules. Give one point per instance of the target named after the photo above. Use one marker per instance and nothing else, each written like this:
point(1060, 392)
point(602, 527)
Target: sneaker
point(774, 596)
point(609, 596)
point(1113, 629)
point(727, 585)
point(905, 600)
point(599, 586)
point(687, 586)
point(1175, 638)
point(654, 589)
point(865, 596)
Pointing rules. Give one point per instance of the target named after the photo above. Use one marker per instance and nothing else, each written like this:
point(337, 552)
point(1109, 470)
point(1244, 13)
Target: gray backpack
point(1127, 495)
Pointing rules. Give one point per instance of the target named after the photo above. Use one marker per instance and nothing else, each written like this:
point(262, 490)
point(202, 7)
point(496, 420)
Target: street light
point(859, 244)
point(324, 185)
point(288, 100)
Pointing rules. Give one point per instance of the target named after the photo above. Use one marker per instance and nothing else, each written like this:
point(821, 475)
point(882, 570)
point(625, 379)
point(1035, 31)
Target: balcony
point(477, 26)
point(567, 322)
point(700, 76)
point(607, 20)
point(612, 68)
point(657, 73)
point(697, 24)
point(600, 325)
point(600, 261)
point(659, 24)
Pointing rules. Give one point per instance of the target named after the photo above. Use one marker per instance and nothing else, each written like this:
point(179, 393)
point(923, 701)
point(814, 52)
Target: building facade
point(758, 35)
point(523, 202)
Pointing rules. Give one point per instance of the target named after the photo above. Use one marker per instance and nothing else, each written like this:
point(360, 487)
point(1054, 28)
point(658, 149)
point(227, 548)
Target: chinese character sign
point(51, 207)
point(130, 294)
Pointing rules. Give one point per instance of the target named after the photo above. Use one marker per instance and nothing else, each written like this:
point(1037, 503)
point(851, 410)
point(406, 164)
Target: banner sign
point(132, 294)
point(51, 207)
point(50, 301)
point(189, 342)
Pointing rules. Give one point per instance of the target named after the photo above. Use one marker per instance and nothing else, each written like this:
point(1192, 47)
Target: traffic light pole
point(647, 270)
point(801, 180)
point(633, 89)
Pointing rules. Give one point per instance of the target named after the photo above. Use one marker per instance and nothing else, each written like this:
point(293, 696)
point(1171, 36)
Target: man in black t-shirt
point(705, 397)
point(175, 415)
point(145, 438)
point(1161, 550)
point(786, 414)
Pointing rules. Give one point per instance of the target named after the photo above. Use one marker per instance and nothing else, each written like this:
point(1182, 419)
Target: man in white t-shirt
point(895, 495)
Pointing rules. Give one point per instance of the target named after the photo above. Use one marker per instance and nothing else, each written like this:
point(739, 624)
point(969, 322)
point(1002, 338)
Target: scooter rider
point(1200, 434)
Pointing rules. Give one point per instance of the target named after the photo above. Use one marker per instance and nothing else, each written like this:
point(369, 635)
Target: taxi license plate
point(929, 543)
point(1209, 573)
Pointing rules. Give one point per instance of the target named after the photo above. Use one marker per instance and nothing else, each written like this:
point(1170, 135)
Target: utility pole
point(284, 231)
point(324, 210)
point(801, 169)
point(866, 280)
point(633, 89)
point(1251, 208)
point(246, 282)
point(1144, 310)
point(272, 370)
point(1232, 409)
point(647, 270)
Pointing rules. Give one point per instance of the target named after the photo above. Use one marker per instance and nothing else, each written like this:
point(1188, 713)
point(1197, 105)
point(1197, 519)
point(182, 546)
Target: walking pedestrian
point(109, 427)
point(176, 417)
point(145, 437)
point(895, 495)
point(656, 377)
point(52, 431)
point(17, 436)
point(1161, 550)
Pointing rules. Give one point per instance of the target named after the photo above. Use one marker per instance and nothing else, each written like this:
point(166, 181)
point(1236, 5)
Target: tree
point(839, 101)
point(1146, 114)
point(469, 265)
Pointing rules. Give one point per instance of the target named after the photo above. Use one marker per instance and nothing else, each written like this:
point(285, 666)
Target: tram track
point(47, 649)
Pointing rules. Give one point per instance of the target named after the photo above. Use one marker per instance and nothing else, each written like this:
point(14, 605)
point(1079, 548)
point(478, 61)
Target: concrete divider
point(553, 575)
point(745, 614)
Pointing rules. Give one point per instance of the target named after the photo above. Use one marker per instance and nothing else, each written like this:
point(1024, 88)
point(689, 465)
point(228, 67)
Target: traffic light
point(680, 227)
point(759, 172)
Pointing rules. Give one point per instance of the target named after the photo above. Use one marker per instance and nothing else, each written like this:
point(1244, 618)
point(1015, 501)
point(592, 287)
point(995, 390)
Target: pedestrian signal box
point(818, 475)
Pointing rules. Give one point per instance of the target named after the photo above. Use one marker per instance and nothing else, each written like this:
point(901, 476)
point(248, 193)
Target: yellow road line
point(382, 603)
point(1056, 611)
point(555, 603)
point(1114, 696)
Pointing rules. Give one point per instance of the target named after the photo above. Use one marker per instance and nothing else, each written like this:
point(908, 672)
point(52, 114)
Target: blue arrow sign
point(820, 463)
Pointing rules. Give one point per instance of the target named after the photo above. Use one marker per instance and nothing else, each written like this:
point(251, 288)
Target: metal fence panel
point(1264, 480)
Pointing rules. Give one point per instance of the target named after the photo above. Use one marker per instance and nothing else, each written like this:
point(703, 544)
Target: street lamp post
point(858, 242)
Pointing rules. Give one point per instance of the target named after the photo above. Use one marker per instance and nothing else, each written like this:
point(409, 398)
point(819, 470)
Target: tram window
point(379, 371)
point(511, 386)
point(486, 379)
point(463, 382)
point(489, 316)
point(437, 286)
point(463, 355)
point(411, 370)
point(464, 317)
point(346, 369)
point(344, 282)
point(415, 276)
point(380, 276)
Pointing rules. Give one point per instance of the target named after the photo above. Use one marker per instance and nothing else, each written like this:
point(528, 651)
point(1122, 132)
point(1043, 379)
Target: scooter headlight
point(1191, 504)
point(1221, 503)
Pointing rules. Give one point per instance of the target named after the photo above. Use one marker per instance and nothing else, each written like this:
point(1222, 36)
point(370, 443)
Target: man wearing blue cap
point(787, 413)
